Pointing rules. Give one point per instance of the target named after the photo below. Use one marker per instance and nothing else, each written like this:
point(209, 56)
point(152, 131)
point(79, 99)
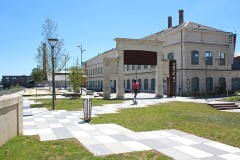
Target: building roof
point(189, 25)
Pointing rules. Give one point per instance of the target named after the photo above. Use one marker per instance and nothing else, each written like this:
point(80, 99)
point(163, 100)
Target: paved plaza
point(106, 139)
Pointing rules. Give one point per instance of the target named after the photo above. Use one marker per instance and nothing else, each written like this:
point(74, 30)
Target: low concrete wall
point(11, 117)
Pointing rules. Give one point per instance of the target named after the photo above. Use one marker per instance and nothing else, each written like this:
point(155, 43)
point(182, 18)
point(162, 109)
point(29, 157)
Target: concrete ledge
point(71, 94)
point(11, 117)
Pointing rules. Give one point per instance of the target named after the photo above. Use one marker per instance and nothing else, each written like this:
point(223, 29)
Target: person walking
point(135, 88)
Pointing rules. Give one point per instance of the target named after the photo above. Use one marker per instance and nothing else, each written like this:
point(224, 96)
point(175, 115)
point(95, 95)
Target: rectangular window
point(221, 58)
point(208, 58)
point(128, 67)
point(153, 66)
point(133, 67)
point(145, 66)
point(195, 57)
point(145, 84)
point(139, 66)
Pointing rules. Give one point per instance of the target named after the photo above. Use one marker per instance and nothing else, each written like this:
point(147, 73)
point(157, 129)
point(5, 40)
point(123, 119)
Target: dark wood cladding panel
point(136, 57)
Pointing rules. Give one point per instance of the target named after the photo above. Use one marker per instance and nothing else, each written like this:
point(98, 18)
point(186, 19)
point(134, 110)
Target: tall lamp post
point(53, 43)
point(66, 59)
point(81, 50)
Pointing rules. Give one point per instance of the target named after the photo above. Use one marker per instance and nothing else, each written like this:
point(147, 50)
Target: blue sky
point(95, 23)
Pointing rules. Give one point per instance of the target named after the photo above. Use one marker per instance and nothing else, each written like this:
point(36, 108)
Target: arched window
point(221, 57)
point(195, 57)
point(145, 84)
point(170, 56)
point(222, 84)
point(209, 83)
point(195, 84)
point(208, 57)
point(153, 84)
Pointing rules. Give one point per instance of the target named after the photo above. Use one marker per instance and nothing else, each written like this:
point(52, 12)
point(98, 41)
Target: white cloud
point(236, 54)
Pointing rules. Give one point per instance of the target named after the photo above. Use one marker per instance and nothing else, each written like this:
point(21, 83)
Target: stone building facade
point(204, 58)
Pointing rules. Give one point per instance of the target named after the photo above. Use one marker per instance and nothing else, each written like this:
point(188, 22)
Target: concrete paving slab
point(80, 134)
point(99, 150)
point(193, 151)
point(184, 140)
point(224, 147)
point(230, 156)
point(121, 137)
point(30, 132)
point(209, 149)
point(136, 146)
point(86, 141)
point(104, 139)
point(176, 154)
point(197, 139)
point(211, 158)
point(169, 142)
point(47, 137)
point(153, 144)
point(117, 148)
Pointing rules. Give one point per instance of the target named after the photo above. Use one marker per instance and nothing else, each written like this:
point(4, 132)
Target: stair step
point(226, 108)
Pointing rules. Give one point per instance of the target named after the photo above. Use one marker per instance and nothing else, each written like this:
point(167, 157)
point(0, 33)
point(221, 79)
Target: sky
point(95, 23)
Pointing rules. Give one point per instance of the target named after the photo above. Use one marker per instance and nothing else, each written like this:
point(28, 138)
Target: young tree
point(38, 76)
point(76, 77)
point(43, 56)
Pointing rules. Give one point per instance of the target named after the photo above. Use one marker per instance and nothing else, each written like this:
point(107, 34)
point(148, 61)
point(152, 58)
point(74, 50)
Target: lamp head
point(52, 42)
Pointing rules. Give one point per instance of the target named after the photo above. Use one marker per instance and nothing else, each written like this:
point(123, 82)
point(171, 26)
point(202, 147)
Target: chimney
point(169, 21)
point(180, 16)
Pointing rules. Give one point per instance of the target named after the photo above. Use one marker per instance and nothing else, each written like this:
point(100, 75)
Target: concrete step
point(224, 106)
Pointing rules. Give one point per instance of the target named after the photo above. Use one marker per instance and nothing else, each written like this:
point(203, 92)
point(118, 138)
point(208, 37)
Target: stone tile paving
point(106, 139)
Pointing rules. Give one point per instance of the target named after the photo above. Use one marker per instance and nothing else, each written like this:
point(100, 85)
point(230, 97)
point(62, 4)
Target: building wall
point(11, 117)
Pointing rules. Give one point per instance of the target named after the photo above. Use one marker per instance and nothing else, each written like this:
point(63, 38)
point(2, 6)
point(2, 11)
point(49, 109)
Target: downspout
point(182, 60)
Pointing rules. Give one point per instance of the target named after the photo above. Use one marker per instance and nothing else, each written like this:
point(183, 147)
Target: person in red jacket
point(135, 88)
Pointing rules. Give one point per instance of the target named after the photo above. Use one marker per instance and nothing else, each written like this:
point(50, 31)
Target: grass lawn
point(72, 104)
point(194, 118)
point(30, 148)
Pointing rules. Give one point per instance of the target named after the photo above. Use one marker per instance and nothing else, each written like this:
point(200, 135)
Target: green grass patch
point(232, 98)
point(73, 104)
point(30, 148)
point(194, 118)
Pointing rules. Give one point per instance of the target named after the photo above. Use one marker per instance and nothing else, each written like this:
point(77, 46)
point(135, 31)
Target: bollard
point(87, 109)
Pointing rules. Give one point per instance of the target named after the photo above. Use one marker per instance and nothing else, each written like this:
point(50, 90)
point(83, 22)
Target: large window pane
point(128, 84)
point(221, 57)
point(208, 57)
point(145, 84)
point(209, 84)
point(222, 84)
point(170, 56)
point(153, 84)
point(140, 84)
point(235, 84)
point(195, 57)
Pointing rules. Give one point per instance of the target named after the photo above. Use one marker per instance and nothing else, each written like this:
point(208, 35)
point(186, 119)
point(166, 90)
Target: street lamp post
point(53, 43)
point(66, 59)
point(81, 50)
